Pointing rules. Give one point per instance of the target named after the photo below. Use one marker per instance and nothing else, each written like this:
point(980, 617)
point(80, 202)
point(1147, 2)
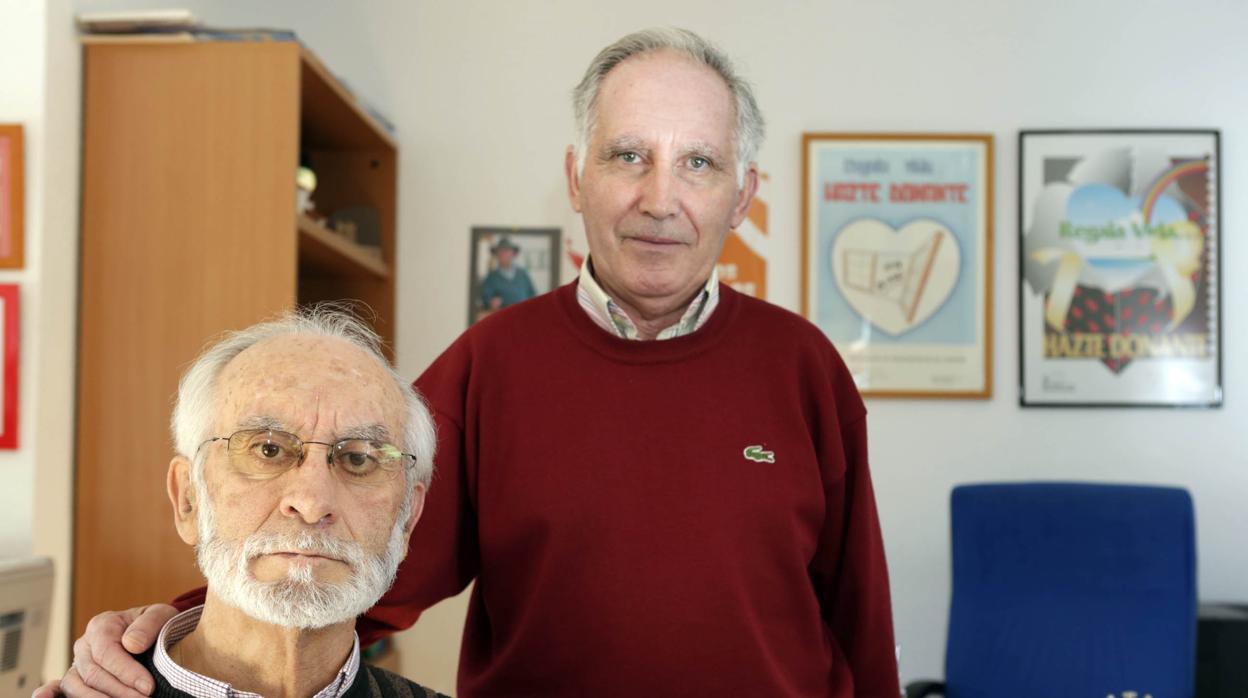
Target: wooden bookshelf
point(322, 249)
point(189, 228)
point(332, 116)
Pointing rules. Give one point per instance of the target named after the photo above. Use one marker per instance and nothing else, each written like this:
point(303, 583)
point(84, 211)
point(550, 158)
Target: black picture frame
point(537, 258)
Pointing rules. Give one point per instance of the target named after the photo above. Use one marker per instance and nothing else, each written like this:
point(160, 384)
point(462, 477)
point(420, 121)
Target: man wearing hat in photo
point(507, 283)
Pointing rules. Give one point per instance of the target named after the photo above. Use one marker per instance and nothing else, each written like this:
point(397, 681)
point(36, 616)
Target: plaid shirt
point(201, 686)
point(608, 315)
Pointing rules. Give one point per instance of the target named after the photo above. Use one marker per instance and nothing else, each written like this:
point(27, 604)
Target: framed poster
point(897, 258)
point(510, 265)
point(12, 196)
point(1120, 286)
point(10, 314)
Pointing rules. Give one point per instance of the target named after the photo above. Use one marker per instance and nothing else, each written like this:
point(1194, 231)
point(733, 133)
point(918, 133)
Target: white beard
point(298, 600)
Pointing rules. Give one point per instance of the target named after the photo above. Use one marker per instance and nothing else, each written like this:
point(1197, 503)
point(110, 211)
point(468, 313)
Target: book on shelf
point(167, 26)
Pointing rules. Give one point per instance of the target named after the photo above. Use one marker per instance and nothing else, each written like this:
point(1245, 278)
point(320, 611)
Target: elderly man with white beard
point(299, 505)
point(660, 486)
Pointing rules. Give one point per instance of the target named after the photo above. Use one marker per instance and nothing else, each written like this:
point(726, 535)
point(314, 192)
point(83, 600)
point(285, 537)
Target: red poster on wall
point(9, 316)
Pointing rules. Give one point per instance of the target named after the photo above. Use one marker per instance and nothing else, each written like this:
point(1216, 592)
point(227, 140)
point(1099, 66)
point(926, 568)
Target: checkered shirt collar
point(201, 686)
point(608, 315)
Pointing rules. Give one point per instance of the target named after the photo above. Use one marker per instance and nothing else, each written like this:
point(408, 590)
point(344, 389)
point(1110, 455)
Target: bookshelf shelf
point(325, 252)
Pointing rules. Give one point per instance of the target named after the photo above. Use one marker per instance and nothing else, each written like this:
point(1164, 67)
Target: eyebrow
point(262, 422)
point(623, 144)
point(703, 149)
point(368, 432)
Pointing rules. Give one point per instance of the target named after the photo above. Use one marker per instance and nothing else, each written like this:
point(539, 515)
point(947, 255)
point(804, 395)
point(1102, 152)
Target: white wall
point(39, 90)
point(479, 91)
point(21, 101)
point(53, 317)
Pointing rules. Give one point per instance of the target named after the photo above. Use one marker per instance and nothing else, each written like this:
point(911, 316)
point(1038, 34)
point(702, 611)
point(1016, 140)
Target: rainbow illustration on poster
point(1167, 178)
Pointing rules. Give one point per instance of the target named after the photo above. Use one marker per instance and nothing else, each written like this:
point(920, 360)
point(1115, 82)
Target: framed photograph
point(897, 258)
point(10, 314)
point(1120, 280)
point(12, 196)
point(510, 265)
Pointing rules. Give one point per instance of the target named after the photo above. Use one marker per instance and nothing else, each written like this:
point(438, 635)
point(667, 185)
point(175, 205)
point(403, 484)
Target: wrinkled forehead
point(308, 382)
point(666, 89)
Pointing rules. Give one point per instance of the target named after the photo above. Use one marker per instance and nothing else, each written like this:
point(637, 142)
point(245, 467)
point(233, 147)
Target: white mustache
point(307, 542)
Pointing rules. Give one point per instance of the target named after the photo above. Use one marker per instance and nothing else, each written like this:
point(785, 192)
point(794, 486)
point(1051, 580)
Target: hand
point(102, 662)
point(50, 689)
point(496, 302)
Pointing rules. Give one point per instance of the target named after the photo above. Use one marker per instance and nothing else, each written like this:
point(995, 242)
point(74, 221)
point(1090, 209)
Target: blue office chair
point(1065, 590)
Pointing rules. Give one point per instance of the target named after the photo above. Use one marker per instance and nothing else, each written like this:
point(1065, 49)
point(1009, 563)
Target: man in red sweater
point(659, 485)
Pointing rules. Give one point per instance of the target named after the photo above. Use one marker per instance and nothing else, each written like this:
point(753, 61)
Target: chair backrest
point(1072, 590)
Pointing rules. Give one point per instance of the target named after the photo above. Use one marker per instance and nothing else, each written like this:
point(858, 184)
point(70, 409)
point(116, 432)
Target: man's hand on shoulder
point(102, 662)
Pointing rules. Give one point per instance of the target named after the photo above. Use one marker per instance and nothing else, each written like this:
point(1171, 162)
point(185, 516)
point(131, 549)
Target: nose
point(311, 490)
point(659, 193)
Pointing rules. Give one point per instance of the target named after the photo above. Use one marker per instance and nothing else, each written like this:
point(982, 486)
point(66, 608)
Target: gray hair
point(748, 134)
point(197, 401)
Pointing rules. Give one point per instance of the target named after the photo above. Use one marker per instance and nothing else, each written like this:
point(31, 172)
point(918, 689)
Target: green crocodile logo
point(758, 455)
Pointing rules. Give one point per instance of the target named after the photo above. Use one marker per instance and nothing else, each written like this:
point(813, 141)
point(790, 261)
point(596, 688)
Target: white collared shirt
point(608, 315)
point(202, 686)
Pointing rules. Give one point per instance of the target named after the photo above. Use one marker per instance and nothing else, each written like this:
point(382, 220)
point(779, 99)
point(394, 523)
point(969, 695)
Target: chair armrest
point(919, 689)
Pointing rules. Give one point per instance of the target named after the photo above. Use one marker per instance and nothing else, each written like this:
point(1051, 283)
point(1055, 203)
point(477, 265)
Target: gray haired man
point(302, 465)
point(660, 486)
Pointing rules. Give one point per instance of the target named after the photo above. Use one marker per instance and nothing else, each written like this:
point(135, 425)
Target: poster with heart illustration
point(1119, 300)
point(897, 258)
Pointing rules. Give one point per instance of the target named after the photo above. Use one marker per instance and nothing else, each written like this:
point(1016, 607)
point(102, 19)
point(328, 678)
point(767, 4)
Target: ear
point(574, 179)
point(418, 507)
point(749, 187)
point(182, 496)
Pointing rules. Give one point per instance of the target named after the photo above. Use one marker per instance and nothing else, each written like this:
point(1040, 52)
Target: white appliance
point(25, 605)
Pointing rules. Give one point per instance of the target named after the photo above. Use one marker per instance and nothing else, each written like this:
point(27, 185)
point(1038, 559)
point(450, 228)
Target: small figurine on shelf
point(305, 184)
point(360, 224)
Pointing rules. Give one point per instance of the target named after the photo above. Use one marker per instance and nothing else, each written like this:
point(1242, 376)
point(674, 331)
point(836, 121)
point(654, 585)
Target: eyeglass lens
point(262, 454)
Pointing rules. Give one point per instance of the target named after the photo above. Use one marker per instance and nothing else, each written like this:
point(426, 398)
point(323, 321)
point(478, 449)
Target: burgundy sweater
point(686, 517)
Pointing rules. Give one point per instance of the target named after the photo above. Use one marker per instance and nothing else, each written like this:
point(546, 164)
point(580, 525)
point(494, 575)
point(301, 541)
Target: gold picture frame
point(897, 258)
